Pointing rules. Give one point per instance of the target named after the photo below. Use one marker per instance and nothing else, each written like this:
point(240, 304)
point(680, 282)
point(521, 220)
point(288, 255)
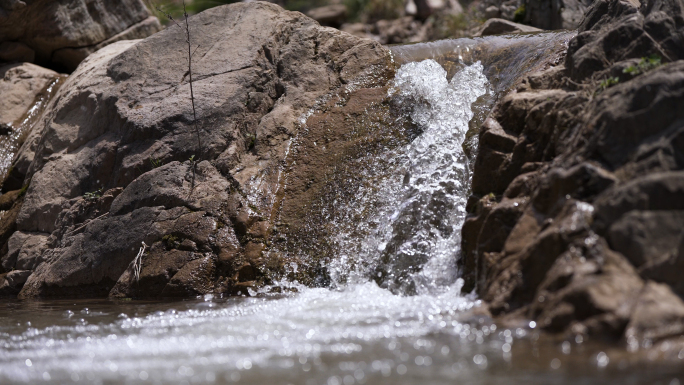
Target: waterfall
point(412, 239)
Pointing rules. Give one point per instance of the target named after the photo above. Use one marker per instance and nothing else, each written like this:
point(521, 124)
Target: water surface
point(394, 312)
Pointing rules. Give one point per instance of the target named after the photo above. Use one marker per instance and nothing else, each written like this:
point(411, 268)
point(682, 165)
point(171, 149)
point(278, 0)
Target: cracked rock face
point(577, 216)
point(115, 162)
point(60, 34)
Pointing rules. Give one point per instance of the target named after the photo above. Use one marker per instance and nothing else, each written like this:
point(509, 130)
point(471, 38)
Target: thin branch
point(192, 94)
point(193, 52)
point(137, 262)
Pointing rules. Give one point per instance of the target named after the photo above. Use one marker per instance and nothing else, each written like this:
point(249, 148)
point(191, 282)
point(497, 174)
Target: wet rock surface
point(20, 84)
point(60, 34)
point(575, 220)
point(116, 161)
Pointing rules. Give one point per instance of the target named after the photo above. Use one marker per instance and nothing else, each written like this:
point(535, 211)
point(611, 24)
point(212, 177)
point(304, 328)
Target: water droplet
point(602, 360)
point(566, 347)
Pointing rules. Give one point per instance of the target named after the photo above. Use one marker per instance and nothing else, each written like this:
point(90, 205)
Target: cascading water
point(358, 331)
point(420, 210)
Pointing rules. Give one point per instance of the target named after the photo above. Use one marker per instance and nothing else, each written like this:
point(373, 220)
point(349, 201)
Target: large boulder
point(117, 161)
point(578, 188)
point(544, 14)
point(60, 34)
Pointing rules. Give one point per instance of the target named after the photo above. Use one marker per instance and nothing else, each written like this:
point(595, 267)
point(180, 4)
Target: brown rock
point(598, 247)
point(13, 52)
point(63, 33)
point(262, 69)
point(11, 283)
point(495, 26)
point(658, 314)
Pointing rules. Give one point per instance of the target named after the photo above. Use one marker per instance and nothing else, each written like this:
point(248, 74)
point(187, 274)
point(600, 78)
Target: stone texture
point(595, 244)
point(20, 84)
point(62, 33)
point(542, 14)
point(11, 283)
point(116, 162)
point(555, 14)
point(495, 26)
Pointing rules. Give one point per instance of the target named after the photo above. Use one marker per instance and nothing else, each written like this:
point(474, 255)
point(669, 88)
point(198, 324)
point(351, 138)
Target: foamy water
point(394, 313)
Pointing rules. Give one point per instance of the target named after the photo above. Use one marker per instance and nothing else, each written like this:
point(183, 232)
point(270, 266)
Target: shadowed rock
point(62, 33)
point(596, 242)
point(109, 164)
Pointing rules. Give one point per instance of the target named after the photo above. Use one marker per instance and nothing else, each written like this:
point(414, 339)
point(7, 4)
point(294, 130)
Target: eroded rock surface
point(544, 14)
point(116, 162)
point(62, 33)
point(576, 218)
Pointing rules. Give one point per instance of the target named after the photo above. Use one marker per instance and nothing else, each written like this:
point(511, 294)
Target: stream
point(394, 311)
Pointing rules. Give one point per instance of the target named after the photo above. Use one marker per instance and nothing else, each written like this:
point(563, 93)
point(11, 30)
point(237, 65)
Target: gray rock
point(12, 282)
point(25, 89)
point(425, 8)
point(30, 254)
point(24, 251)
point(492, 12)
point(20, 84)
point(500, 26)
point(598, 173)
point(109, 168)
point(657, 315)
point(63, 33)
point(647, 237)
point(555, 14)
point(333, 15)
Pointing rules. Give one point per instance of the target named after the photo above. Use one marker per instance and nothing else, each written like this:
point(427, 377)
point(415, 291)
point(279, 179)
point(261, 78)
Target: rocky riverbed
point(558, 201)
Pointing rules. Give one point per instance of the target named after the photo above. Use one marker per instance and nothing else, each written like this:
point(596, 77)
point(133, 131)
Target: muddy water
point(394, 312)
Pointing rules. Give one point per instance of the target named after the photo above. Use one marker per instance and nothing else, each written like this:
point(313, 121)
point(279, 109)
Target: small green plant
point(154, 162)
point(609, 82)
point(519, 14)
point(373, 10)
point(251, 141)
point(23, 190)
point(173, 7)
point(645, 64)
point(93, 195)
point(171, 241)
point(448, 25)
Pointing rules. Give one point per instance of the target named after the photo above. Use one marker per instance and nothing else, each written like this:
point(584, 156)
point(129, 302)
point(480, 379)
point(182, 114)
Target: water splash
point(413, 238)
